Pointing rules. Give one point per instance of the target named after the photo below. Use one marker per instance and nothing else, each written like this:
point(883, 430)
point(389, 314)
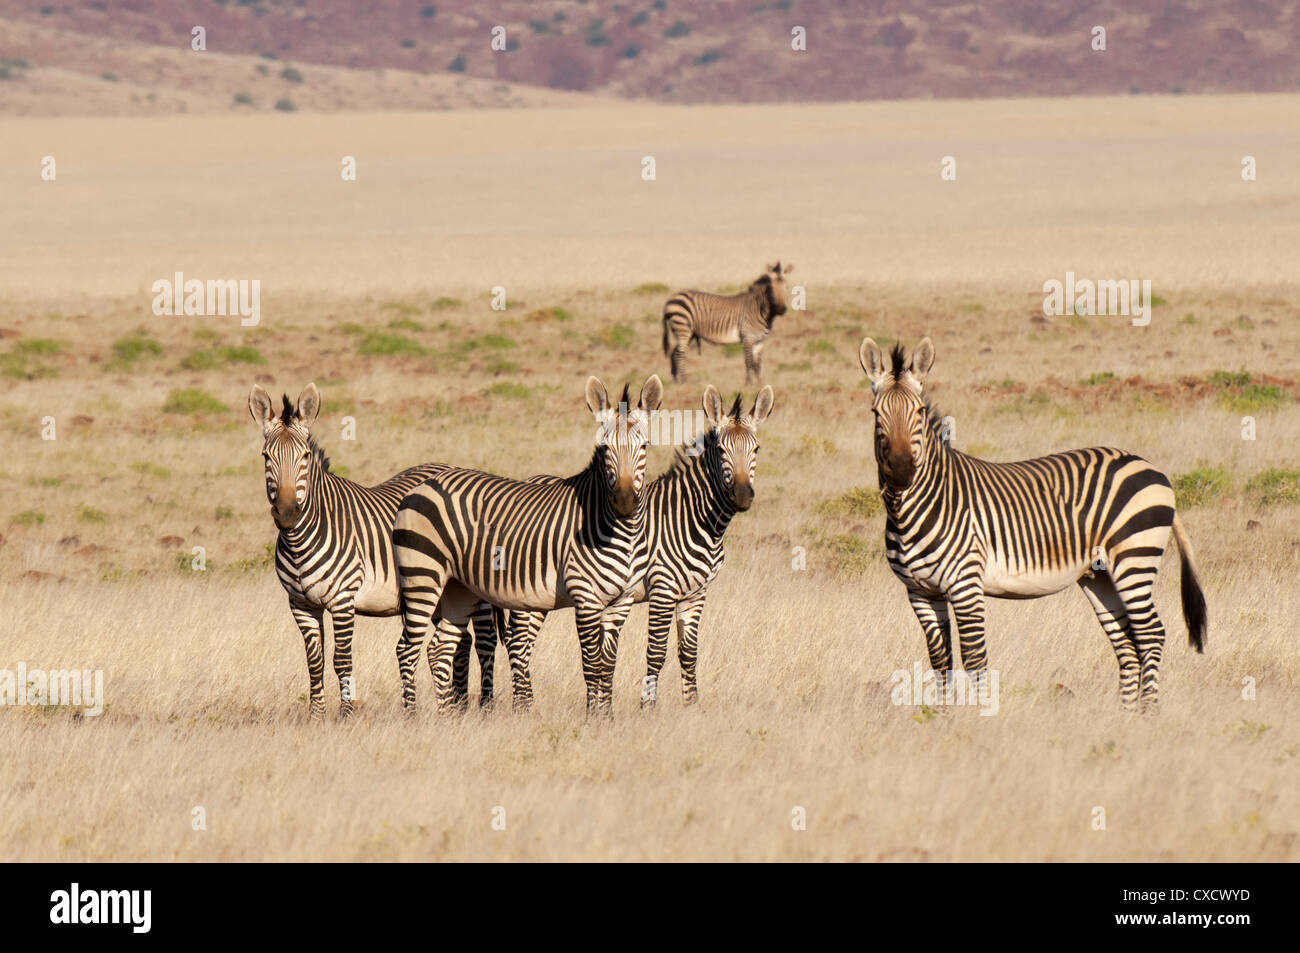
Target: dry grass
point(204, 671)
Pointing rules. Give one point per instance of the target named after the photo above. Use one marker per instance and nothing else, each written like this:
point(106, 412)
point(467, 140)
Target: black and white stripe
point(745, 319)
point(959, 529)
point(463, 536)
point(334, 553)
point(688, 509)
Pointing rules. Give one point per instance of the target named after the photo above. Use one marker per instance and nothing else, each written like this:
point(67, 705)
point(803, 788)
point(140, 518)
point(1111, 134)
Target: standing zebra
point(334, 552)
point(745, 319)
point(959, 529)
point(688, 510)
point(463, 536)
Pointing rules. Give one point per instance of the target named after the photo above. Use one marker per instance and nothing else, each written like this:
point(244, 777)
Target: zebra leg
point(520, 636)
point(310, 622)
point(751, 361)
point(485, 646)
point(1134, 584)
point(679, 360)
point(449, 663)
point(661, 623)
point(932, 613)
point(1112, 615)
point(419, 595)
point(611, 625)
point(459, 670)
point(689, 611)
point(591, 643)
point(968, 609)
point(341, 619)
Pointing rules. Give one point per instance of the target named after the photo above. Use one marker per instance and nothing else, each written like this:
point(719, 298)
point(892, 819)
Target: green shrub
point(243, 99)
point(510, 390)
point(1203, 485)
point(1101, 377)
point(150, 469)
point(442, 304)
point(458, 64)
point(375, 344)
point(1273, 486)
point(285, 105)
point(861, 502)
point(291, 74)
point(89, 514)
point(29, 518)
point(680, 28)
point(618, 337)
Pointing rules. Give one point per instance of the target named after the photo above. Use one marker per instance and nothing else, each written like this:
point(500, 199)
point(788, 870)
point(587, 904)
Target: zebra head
point(622, 439)
point(772, 283)
point(287, 450)
point(902, 416)
point(737, 436)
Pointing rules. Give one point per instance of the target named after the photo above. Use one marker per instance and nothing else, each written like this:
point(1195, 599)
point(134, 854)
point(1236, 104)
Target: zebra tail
point(667, 350)
point(1194, 611)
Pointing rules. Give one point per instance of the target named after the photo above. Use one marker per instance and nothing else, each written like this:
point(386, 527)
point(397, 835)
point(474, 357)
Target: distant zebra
point(334, 552)
point(688, 509)
point(959, 529)
point(745, 319)
point(463, 536)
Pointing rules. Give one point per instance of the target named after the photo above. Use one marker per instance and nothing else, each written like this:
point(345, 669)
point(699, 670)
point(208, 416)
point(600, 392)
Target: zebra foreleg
point(661, 623)
point(591, 644)
point(520, 636)
point(932, 613)
point(968, 609)
point(310, 622)
point(612, 620)
point(341, 619)
point(689, 612)
point(678, 360)
point(459, 670)
point(485, 646)
point(1113, 617)
point(753, 361)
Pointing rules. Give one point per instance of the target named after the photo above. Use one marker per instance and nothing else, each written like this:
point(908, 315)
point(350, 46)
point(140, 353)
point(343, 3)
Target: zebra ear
point(713, 405)
point(652, 394)
point(787, 269)
point(259, 405)
point(922, 360)
point(762, 405)
point(597, 397)
point(872, 361)
point(308, 406)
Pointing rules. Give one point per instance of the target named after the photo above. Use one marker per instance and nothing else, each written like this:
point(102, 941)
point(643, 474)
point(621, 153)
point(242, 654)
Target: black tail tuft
point(1194, 611)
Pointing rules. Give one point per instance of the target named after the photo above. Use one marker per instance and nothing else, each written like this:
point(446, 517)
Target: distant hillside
point(664, 50)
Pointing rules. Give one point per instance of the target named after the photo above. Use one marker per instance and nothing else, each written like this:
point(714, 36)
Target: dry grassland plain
point(378, 290)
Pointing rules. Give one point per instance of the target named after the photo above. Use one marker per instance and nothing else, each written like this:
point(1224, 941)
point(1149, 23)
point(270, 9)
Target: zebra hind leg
point(1113, 617)
point(679, 361)
point(520, 636)
point(418, 603)
point(459, 669)
point(1134, 581)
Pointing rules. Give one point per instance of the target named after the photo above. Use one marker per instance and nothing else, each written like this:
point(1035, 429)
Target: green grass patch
point(192, 400)
point(445, 304)
point(129, 350)
point(1101, 377)
point(29, 518)
point(619, 337)
point(819, 346)
point(852, 553)
point(88, 514)
point(1203, 485)
point(651, 288)
point(1274, 486)
point(150, 469)
point(405, 324)
point(211, 358)
point(861, 502)
point(375, 344)
point(510, 390)
point(550, 314)
point(798, 366)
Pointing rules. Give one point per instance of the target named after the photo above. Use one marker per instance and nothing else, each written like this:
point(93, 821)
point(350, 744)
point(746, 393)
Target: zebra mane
point(289, 417)
point(707, 442)
point(898, 360)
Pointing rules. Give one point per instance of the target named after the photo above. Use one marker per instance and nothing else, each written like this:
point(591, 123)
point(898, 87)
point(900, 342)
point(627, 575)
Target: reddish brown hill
point(740, 50)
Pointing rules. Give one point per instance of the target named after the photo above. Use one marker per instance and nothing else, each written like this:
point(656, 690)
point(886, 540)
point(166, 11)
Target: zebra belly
point(377, 597)
point(730, 336)
point(1004, 583)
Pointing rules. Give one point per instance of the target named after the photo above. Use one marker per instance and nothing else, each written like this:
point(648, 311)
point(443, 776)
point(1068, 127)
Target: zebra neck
point(322, 486)
point(707, 503)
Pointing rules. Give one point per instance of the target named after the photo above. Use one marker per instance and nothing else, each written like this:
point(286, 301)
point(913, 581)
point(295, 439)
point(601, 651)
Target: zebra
point(959, 529)
point(334, 550)
point(463, 536)
point(688, 509)
point(745, 319)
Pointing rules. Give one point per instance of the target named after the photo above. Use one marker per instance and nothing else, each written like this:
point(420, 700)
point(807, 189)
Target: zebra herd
point(462, 554)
